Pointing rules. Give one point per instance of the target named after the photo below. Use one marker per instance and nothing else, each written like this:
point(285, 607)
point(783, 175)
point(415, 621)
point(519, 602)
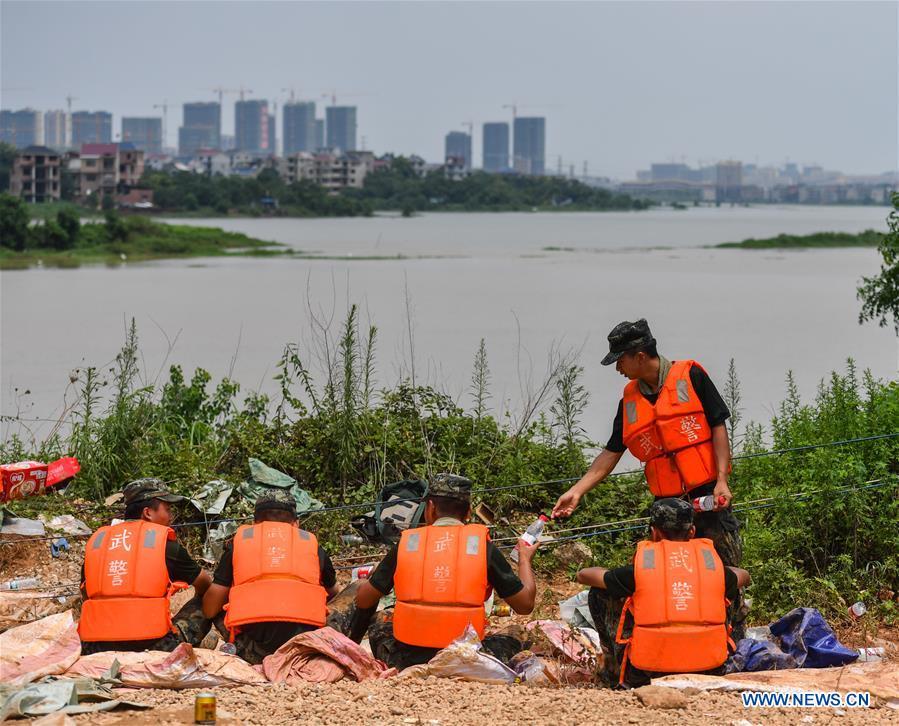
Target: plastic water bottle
point(707, 503)
point(870, 655)
point(856, 610)
point(21, 583)
point(228, 648)
point(531, 534)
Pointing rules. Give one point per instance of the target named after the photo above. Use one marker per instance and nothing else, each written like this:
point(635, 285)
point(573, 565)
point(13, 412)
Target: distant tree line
point(186, 191)
point(401, 187)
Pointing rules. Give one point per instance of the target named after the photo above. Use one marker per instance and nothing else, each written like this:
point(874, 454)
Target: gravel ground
point(437, 701)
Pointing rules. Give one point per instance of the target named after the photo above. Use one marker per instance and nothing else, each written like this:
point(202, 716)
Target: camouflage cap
point(452, 486)
point(671, 515)
point(276, 499)
point(143, 490)
point(627, 336)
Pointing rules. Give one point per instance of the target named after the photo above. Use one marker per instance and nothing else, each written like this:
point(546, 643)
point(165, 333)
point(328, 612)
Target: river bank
point(64, 241)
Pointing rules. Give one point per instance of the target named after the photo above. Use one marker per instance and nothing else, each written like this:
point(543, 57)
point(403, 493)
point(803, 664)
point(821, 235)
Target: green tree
point(7, 156)
point(67, 219)
point(14, 223)
point(108, 203)
point(53, 236)
point(880, 294)
point(116, 229)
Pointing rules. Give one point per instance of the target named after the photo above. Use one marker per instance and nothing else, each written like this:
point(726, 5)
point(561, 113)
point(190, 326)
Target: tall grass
point(343, 437)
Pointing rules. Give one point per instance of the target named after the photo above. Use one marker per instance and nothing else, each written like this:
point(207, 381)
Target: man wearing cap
point(672, 418)
point(442, 574)
point(130, 570)
point(272, 581)
point(668, 611)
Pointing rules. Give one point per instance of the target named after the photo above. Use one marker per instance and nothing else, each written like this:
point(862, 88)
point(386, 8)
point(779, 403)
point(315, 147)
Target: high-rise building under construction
point(529, 145)
point(496, 147)
point(298, 127)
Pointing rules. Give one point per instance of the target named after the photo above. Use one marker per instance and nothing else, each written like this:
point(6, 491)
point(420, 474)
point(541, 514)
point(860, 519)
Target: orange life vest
point(441, 584)
point(672, 437)
point(127, 583)
point(277, 577)
point(679, 608)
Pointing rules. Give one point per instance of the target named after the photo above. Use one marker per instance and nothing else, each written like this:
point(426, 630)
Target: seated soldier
point(129, 573)
point(442, 574)
point(669, 610)
point(272, 581)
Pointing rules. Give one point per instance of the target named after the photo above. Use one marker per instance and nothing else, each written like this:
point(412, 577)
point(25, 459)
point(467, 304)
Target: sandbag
point(184, 667)
point(322, 656)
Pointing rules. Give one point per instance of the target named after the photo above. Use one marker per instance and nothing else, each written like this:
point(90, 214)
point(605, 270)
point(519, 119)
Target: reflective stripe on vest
point(127, 583)
point(672, 437)
point(678, 607)
point(441, 584)
point(277, 577)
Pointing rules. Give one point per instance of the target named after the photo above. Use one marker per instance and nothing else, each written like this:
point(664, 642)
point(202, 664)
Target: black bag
point(399, 506)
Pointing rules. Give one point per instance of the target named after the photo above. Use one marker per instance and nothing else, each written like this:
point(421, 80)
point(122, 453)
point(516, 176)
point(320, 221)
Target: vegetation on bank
point(880, 294)
point(397, 188)
point(203, 195)
point(343, 436)
point(64, 241)
point(868, 238)
point(400, 187)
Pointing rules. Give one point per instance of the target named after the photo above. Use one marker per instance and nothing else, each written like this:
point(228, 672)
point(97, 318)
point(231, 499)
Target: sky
point(621, 84)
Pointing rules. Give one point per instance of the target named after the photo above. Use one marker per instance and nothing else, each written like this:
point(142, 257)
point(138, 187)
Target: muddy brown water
point(524, 282)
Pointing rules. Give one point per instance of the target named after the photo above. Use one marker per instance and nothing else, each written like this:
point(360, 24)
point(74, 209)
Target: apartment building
point(35, 175)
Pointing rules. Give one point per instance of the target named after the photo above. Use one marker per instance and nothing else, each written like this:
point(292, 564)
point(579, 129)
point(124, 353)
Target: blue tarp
point(805, 635)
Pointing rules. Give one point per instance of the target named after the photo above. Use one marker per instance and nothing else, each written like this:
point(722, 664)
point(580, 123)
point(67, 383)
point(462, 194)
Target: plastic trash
point(11, 524)
point(857, 609)
point(760, 632)
point(575, 610)
point(68, 524)
point(57, 547)
point(228, 648)
point(804, 634)
point(465, 660)
point(20, 583)
point(531, 669)
point(870, 655)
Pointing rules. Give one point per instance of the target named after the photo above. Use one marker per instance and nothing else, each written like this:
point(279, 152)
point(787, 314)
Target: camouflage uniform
point(189, 624)
point(668, 514)
point(722, 528)
point(384, 645)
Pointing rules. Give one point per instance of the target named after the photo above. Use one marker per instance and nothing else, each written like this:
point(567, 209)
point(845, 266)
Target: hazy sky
point(621, 84)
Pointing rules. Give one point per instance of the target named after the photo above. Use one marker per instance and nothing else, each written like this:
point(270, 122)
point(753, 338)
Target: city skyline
point(621, 85)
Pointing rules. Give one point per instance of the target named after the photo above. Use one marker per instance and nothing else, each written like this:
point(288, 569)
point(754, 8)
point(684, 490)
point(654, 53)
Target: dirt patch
point(434, 701)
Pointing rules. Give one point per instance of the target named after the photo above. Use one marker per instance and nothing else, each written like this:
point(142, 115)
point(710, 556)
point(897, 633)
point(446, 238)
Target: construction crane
point(69, 100)
point(333, 96)
point(165, 120)
point(515, 106)
point(292, 91)
point(222, 91)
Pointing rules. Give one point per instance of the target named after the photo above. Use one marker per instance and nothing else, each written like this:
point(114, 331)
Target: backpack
point(399, 506)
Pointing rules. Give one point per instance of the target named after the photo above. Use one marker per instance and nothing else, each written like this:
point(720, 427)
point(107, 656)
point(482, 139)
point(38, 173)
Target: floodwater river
point(523, 282)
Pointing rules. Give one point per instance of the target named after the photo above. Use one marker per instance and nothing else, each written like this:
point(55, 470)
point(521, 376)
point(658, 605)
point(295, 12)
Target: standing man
point(130, 571)
point(272, 580)
point(671, 417)
point(442, 574)
point(667, 612)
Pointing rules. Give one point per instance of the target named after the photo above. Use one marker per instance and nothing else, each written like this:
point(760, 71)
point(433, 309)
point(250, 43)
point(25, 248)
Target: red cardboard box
point(23, 479)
